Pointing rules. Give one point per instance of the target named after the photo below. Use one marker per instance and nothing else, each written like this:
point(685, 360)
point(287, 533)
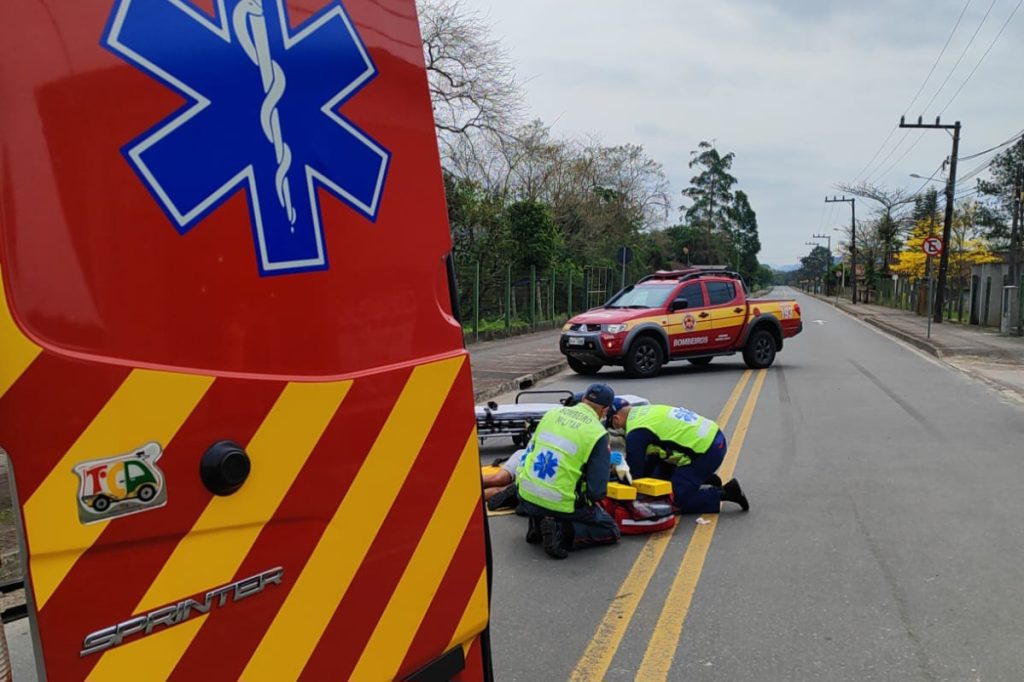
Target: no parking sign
point(932, 246)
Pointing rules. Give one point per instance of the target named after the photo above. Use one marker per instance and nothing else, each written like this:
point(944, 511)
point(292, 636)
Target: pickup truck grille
point(584, 328)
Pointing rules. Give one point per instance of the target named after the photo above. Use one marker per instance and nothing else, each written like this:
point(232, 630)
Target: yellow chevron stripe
point(297, 628)
point(474, 618)
point(148, 406)
point(16, 351)
point(409, 603)
point(210, 555)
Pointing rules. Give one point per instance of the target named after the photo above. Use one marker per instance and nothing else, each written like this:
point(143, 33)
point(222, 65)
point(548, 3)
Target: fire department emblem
point(120, 485)
point(689, 321)
point(244, 127)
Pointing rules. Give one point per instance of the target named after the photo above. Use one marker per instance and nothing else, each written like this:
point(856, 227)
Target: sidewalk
point(515, 363)
point(984, 353)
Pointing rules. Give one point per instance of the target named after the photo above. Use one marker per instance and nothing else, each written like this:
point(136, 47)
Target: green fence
point(514, 300)
point(906, 295)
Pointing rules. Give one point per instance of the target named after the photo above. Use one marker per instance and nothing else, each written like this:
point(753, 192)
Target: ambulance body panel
point(197, 200)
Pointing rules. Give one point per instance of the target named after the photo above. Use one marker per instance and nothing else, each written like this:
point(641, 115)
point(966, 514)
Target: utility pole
point(815, 245)
point(940, 295)
point(829, 264)
point(853, 241)
point(1015, 232)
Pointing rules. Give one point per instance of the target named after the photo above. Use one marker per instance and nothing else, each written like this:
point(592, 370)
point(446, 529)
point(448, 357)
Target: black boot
point(731, 492)
point(551, 533)
point(714, 481)
point(533, 535)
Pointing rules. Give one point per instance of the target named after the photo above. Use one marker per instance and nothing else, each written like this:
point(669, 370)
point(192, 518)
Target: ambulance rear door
point(232, 389)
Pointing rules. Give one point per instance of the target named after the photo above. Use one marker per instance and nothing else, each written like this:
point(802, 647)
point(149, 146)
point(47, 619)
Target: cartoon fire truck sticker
point(120, 485)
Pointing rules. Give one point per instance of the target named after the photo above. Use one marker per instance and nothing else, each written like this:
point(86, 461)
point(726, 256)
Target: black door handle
point(703, 315)
point(737, 310)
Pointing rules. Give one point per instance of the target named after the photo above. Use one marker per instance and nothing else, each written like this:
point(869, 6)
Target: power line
point(991, 45)
point(877, 152)
point(992, 149)
point(962, 54)
point(927, 180)
point(821, 222)
point(902, 156)
point(916, 95)
point(941, 52)
point(976, 171)
point(888, 156)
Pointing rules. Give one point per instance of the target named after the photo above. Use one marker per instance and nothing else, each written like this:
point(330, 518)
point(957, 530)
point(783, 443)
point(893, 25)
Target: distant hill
point(784, 268)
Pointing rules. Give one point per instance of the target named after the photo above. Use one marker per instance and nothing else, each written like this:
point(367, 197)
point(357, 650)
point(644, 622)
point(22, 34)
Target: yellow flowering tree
point(967, 248)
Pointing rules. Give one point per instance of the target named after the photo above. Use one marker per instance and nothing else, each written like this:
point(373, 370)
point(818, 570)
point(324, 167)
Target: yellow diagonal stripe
point(409, 602)
point(210, 555)
point(294, 634)
point(16, 351)
point(474, 618)
point(148, 406)
point(664, 641)
point(597, 657)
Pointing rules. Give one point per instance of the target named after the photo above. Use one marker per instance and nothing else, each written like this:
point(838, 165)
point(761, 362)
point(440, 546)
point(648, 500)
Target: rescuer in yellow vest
point(565, 471)
point(678, 445)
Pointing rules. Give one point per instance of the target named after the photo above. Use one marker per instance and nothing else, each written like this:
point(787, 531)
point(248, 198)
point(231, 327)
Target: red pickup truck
point(693, 314)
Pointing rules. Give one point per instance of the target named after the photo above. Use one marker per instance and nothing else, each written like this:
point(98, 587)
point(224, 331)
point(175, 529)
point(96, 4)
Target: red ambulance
point(197, 198)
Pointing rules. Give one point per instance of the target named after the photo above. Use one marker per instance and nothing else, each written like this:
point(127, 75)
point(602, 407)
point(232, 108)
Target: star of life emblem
point(261, 115)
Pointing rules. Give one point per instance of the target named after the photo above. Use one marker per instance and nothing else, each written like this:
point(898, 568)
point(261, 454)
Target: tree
point(711, 193)
point(764, 277)
point(967, 247)
point(744, 233)
point(536, 237)
point(995, 212)
point(891, 224)
point(815, 265)
point(926, 207)
point(473, 85)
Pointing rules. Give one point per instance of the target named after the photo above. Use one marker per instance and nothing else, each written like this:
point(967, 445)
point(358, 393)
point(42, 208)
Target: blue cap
point(600, 394)
point(617, 404)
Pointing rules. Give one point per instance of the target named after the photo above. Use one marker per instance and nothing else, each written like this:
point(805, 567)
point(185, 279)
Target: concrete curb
point(519, 383)
point(902, 335)
point(874, 321)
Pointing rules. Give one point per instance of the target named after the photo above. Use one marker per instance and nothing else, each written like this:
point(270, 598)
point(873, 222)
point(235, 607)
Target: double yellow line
point(597, 658)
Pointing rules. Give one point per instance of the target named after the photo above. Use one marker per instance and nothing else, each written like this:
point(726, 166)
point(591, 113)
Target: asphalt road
point(883, 542)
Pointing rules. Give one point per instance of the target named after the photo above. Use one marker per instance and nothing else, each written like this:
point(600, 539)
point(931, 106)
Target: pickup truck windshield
point(646, 296)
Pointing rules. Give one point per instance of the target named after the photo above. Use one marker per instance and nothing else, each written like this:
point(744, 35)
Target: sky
point(803, 92)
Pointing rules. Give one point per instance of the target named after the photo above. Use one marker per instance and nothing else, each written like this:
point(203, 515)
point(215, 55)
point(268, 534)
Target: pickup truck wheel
point(760, 350)
point(700, 362)
point(644, 358)
point(582, 367)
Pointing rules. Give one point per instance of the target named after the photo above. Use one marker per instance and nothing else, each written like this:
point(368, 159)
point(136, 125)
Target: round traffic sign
point(932, 246)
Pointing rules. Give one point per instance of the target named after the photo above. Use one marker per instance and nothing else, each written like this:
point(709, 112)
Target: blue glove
point(616, 459)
